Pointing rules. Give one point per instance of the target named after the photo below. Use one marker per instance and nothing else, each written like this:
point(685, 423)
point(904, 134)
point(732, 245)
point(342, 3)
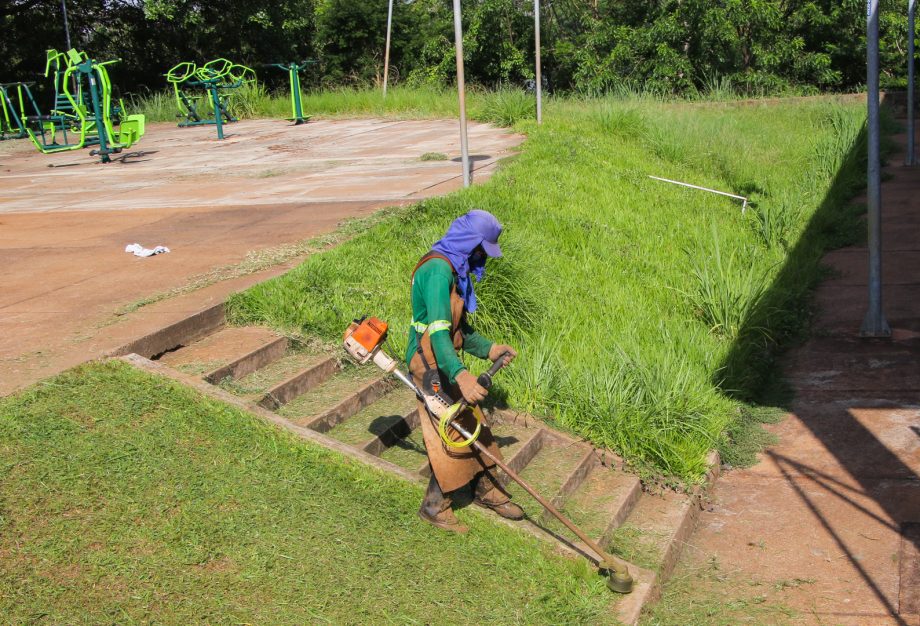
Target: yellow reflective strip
point(419, 327)
point(438, 325)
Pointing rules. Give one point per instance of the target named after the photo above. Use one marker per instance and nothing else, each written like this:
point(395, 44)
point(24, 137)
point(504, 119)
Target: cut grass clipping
point(126, 498)
point(647, 315)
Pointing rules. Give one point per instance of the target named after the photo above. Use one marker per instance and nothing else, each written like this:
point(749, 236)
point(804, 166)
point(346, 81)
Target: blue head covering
point(465, 233)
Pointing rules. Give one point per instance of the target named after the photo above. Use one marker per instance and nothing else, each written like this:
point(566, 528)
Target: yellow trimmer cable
point(448, 417)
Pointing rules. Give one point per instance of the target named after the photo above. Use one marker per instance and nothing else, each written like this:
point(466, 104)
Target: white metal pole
point(386, 55)
point(461, 91)
point(911, 34)
point(874, 324)
point(536, 21)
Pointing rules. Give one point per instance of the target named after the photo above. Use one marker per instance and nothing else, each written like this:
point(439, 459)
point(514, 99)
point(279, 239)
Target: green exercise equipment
point(217, 80)
point(84, 112)
point(296, 106)
point(13, 121)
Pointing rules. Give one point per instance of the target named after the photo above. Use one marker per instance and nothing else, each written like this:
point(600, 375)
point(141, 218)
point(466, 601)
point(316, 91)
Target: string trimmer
point(363, 340)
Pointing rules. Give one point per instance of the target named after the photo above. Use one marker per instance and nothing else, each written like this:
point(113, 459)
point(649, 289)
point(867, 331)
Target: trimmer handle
point(485, 379)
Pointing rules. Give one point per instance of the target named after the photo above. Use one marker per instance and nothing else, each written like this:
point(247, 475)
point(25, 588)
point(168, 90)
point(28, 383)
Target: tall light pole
point(386, 55)
point(461, 91)
point(536, 23)
point(874, 324)
point(911, 33)
point(66, 24)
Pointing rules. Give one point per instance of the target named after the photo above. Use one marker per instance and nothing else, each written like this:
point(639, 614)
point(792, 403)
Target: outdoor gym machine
point(83, 104)
point(297, 115)
point(216, 78)
point(13, 121)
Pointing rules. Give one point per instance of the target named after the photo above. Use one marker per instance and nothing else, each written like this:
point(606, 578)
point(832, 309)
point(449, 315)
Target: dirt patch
point(219, 565)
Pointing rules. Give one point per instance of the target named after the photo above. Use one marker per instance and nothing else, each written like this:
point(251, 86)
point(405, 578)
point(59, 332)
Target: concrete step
point(377, 418)
point(512, 432)
point(271, 377)
point(397, 430)
point(300, 383)
point(654, 533)
point(342, 394)
point(600, 502)
point(547, 472)
point(249, 362)
point(408, 452)
point(219, 349)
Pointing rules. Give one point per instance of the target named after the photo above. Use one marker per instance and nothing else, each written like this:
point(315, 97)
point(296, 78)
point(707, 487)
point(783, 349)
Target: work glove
point(472, 391)
point(498, 348)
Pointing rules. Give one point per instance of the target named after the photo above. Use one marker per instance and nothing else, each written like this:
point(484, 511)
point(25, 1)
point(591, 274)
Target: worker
point(442, 295)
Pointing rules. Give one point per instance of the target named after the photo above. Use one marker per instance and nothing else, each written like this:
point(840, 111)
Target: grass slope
point(126, 498)
point(646, 314)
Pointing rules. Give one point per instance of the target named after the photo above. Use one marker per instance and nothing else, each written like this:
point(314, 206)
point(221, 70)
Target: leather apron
point(452, 467)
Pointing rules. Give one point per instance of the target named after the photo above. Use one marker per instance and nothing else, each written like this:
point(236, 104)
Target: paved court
point(65, 219)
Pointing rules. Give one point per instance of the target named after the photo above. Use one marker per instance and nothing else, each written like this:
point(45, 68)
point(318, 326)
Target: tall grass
point(156, 106)
point(644, 312)
point(503, 107)
point(728, 286)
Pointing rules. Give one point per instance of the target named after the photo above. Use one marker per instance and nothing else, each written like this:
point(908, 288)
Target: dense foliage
point(668, 46)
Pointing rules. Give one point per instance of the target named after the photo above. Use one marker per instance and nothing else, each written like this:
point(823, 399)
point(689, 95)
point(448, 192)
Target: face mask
point(478, 257)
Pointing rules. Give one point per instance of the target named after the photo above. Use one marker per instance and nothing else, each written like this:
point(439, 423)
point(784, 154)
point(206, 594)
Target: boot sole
point(485, 505)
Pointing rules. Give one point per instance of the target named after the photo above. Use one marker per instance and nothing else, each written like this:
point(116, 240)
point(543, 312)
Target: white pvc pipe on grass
point(744, 201)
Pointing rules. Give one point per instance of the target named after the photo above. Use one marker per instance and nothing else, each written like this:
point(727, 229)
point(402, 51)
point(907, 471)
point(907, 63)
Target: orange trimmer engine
point(363, 340)
point(363, 337)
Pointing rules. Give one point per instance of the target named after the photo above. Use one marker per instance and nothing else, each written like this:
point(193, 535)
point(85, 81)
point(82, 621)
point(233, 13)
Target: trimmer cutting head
point(618, 578)
point(620, 583)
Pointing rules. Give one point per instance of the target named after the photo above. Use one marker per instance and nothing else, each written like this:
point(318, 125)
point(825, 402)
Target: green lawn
point(647, 315)
point(126, 498)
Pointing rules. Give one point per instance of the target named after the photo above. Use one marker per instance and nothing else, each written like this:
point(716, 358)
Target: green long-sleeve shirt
point(431, 289)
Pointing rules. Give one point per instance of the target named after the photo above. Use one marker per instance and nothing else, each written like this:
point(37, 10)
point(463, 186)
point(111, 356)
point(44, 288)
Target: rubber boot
point(436, 509)
point(490, 494)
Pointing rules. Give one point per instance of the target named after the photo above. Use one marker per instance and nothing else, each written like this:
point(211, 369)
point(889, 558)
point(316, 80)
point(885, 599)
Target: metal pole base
point(875, 327)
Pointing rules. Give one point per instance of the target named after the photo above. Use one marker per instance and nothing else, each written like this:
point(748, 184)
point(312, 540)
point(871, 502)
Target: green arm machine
point(216, 78)
point(296, 107)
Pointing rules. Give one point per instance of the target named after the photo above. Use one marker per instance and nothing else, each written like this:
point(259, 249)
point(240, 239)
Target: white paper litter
point(140, 250)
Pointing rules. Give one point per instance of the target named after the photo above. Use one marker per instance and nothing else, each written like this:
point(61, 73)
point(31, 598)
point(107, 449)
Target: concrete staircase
point(356, 411)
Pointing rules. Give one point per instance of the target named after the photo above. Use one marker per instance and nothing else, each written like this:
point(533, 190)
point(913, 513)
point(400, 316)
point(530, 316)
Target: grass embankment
point(126, 498)
point(646, 314)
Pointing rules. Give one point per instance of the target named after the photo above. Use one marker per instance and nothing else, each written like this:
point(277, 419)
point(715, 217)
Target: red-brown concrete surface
point(65, 219)
point(816, 525)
